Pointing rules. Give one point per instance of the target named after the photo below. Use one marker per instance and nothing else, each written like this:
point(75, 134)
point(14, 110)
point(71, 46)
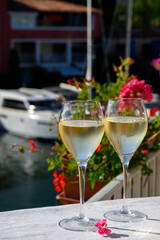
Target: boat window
point(45, 105)
point(15, 104)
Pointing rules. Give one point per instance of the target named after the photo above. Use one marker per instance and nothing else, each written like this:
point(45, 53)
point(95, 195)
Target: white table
point(42, 223)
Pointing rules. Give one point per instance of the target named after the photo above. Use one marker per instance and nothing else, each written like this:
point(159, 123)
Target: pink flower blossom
point(136, 89)
point(102, 229)
point(156, 64)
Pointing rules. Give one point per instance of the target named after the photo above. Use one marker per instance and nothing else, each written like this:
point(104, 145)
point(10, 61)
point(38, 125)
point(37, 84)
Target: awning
point(50, 6)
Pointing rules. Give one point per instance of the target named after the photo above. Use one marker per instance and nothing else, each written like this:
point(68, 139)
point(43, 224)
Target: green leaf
point(21, 149)
point(51, 166)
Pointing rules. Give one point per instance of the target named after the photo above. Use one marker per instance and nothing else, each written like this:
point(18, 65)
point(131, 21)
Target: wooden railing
point(138, 185)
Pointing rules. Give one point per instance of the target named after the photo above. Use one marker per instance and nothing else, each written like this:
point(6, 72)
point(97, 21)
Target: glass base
point(132, 216)
point(78, 224)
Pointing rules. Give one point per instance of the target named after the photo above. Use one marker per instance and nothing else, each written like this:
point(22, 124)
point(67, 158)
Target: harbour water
point(24, 179)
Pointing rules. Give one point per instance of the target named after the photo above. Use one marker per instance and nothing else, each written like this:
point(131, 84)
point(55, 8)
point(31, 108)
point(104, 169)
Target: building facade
point(50, 34)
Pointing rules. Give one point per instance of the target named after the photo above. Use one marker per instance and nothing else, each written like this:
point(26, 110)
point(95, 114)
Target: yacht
point(30, 112)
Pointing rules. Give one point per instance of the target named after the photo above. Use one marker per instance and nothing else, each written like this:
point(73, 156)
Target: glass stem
point(82, 174)
point(125, 207)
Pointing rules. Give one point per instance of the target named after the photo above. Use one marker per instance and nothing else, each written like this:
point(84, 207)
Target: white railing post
point(138, 185)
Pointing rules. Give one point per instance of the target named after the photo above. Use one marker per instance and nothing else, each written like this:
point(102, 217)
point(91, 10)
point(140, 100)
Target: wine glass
point(81, 128)
point(125, 125)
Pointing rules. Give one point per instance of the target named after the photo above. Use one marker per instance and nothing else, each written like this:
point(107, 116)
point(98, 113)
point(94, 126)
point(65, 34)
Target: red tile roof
point(54, 6)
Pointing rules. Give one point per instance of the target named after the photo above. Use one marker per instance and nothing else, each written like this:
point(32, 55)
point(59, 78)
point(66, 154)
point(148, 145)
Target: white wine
point(125, 133)
point(81, 137)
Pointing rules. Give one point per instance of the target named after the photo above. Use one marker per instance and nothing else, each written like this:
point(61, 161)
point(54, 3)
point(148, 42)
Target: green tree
point(146, 13)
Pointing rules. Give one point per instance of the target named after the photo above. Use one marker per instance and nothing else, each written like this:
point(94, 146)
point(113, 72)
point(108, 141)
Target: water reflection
point(24, 179)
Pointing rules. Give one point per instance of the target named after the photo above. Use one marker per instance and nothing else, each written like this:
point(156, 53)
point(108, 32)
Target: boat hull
point(29, 125)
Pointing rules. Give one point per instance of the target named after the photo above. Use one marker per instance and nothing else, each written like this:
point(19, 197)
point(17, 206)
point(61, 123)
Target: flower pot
point(71, 190)
point(66, 200)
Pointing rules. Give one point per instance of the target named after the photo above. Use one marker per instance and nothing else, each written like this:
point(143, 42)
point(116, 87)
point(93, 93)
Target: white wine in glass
point(81, 137)
point(126, 126)
point(81, 128)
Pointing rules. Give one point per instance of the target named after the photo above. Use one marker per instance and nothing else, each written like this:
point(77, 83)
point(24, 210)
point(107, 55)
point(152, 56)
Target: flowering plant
point(100, 166)
point(104, 164)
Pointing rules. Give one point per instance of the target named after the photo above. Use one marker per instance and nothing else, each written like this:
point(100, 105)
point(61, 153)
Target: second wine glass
point(125, 125)
point(81, 128)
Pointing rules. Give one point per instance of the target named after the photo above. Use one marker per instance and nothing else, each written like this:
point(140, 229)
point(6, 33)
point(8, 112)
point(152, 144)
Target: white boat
point(30, 112)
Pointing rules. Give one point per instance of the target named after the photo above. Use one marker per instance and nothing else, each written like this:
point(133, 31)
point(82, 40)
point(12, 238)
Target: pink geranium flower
point(136, 89)
point(102, 229)
point(156, 64)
